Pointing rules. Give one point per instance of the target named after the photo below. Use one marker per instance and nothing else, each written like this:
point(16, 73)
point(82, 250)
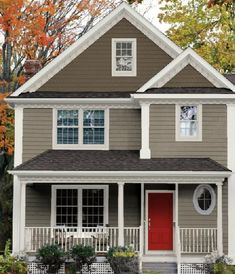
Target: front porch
point(125, 218)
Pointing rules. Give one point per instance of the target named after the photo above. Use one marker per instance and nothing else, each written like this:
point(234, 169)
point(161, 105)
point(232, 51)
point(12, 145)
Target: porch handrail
point(178, 249)
point(101, 238)
point(198, 240)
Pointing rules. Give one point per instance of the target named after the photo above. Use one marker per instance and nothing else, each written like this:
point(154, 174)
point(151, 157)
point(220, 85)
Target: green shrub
point(216, 264)
point(123, 260)
point(10, 264)
point(83, 256)
point(50, 258)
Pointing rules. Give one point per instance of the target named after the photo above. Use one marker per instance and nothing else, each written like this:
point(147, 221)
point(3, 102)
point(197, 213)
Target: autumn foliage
point(6, 127)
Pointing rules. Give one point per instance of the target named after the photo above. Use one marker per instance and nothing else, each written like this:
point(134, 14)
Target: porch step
point(160, 268)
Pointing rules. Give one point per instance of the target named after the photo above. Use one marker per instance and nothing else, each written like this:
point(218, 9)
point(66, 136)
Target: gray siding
point(190, 218)
point(214, 134)
point(125, 129)
point(189, 77)
point(38, 205)
point(91, 71)
point(37, 132)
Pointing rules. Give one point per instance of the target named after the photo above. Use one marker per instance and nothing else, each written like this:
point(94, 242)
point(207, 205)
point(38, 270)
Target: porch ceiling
point(114, 160)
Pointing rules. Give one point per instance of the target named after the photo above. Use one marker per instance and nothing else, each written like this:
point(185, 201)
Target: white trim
point(80, 144)
point(134, 56)
point(188, 56)
point(22, 215)
point(231, 179)
point(79, 188)
point(18, 153)
point(121, 213)
point(147, 251)
point(217, 174)
point(219, 219)
point(213, 200)
point(145, 152)
point(179, 138)
point(122, 11)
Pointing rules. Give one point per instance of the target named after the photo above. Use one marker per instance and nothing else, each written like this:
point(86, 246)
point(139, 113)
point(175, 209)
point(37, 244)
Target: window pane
point(124, 63)
point(93, 136)
point(188, 128)
point(67, 118)
point(93, 208)
point(92, 118)
point(66, 207)
point(188, 113)
point(124, 58)
point(67, 135)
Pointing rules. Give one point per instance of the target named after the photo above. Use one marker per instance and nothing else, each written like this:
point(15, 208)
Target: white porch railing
point(198, 240)
point(101, 238)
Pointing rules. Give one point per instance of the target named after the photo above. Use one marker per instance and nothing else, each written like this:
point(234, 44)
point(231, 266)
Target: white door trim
point(147, 251)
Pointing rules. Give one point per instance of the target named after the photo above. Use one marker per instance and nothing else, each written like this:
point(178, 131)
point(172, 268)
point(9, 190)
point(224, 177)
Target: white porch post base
point(121, 214)
point(219, 219)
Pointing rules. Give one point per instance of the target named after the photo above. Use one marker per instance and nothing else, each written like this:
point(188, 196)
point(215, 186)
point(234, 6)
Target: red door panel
point(160, 221)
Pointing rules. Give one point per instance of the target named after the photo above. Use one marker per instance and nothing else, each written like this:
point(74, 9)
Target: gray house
point(126, 139)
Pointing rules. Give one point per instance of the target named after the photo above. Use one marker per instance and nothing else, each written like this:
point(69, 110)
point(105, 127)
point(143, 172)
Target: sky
point(151, 9)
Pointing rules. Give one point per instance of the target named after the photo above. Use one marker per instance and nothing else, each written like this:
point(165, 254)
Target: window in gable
point(81, 128)
point(188, 123)
point(123, 57)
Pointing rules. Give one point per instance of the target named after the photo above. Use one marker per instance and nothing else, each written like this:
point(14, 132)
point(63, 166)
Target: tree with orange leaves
point(42, 29)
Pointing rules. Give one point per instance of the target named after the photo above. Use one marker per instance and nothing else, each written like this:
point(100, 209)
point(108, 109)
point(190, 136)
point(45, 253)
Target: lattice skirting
point(193, 269)
point(98, 268)
point(32, 269)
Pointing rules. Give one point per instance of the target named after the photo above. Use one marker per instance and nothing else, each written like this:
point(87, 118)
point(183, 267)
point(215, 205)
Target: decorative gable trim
point(122, 11)
point(188, 57)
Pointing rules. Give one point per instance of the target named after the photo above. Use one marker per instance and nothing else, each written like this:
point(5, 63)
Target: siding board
point(214, 131)
point(91, 70)
point(37, 132)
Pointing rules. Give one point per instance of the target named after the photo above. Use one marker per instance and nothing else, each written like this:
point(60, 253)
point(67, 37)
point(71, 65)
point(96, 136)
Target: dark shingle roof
point(121, 94)
point(114, 160)
point(230, 77)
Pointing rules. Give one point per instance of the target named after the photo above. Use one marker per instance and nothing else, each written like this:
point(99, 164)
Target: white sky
point(150, 9)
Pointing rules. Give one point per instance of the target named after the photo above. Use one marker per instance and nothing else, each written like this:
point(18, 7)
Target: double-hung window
point(188, 123)
point(123, 57)
point(79, 206)
point(81, 128)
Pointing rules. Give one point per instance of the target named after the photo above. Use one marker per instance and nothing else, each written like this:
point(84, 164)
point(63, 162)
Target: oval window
point(204, 199)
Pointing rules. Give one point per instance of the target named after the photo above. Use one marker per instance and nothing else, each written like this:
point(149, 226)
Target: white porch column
point(22, 215)
point(219, 219)
point(142, 220)
point(176, 205)
point(16, 183)
point(231, 179)
point(121, 213)
point(145, 152)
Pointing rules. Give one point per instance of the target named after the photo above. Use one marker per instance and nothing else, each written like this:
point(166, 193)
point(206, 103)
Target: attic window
point(123, 57)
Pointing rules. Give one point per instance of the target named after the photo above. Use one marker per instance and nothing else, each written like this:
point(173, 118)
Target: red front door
point(160, 221)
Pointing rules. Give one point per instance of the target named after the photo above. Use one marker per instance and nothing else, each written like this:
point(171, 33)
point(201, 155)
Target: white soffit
point(188, 57)
point(122, 11)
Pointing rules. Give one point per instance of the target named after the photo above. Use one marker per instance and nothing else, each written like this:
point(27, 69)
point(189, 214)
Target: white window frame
point(134, 54)
point(79, 188)
point(80, 144)
point(213, 200)
point(178, 137)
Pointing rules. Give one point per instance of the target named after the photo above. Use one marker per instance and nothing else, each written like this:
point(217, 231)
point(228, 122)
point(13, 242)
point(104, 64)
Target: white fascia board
point(28, 101)
point(188, 57)
point(220, 174)
point(159, 96)
point(122, 11)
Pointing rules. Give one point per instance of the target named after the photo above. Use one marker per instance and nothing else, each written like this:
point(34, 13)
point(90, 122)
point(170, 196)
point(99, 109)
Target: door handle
point(149, 223)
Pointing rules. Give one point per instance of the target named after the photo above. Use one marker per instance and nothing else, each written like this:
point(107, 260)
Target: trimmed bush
point(50, 258)
point(123, 260)
point(83, 256)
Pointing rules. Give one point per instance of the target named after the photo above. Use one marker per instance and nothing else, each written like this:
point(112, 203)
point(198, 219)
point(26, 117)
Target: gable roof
point(122, 11)
point(188, 57)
